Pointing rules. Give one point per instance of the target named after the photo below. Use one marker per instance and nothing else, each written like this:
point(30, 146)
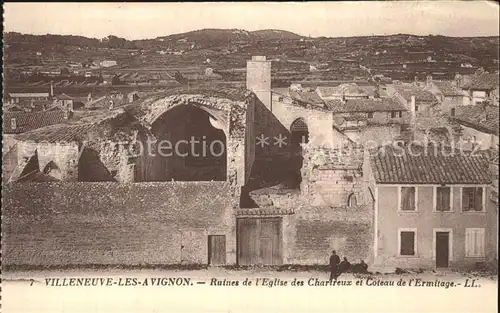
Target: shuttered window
point(407, 199)
point(474, 242)
point(407, 243)
point(443, 199)
point(472, 199)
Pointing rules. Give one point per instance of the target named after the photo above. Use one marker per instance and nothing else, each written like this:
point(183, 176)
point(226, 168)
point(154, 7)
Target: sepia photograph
point(227, 157)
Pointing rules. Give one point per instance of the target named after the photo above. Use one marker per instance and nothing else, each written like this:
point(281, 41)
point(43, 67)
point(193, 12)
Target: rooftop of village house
point(482, 117)
point(428, 165)
point(448, 88)
point(28, 121)
point(114, 124)
point(407, 91)
point(311, 100)
point(365, 105)
point(343, 89)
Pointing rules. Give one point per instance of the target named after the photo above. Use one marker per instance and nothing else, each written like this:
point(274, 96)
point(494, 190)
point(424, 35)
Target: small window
point(370, 114)
point(474, 242)
point(416, 108)
point(352, 201)
point(407, 201)
point(407, 243)
point(443, 199)
point(396, 114)
point(13, 123)
point(472, 199)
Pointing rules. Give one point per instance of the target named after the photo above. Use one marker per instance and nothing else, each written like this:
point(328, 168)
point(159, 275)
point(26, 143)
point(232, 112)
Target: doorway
point(442, 248)
point(217, 250)
point(259, 241)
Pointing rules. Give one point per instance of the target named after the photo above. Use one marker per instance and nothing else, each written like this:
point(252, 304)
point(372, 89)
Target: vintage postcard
point(250, 157)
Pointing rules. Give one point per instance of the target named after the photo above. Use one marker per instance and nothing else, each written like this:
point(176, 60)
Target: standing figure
point(334, 265)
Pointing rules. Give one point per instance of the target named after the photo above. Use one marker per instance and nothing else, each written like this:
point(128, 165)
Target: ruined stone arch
point(224, 111)
point(228, 116)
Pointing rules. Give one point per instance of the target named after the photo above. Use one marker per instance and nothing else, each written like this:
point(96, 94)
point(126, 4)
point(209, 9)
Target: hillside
point(225, 51)
point(205, 38)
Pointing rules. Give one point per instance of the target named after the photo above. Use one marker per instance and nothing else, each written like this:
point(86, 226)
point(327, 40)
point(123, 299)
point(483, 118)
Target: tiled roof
point(27, 121)
point(116, 125)
point(344, 89)
point(431, 166)
point(448, 89)
point(28, 94)
point(310, 97)
point(406, 91)
point(64, 96)
point(484, 81)
point(57, 133)
point(366, 105)
point(30, 105)
point(484, 118)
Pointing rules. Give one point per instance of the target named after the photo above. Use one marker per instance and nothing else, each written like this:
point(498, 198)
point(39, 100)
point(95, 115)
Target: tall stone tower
point(259, 79)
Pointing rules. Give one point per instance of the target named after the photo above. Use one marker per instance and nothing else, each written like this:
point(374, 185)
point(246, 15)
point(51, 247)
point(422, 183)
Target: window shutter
point(474, 242)
point(478, 205)
point(407, 243)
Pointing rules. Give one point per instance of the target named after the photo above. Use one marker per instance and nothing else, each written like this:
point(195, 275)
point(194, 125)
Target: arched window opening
point(352, 201)
point(299, 132)
point(52, 169)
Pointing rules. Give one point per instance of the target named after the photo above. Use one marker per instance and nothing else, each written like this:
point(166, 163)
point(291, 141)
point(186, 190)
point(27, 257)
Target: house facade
point(432, 209)
point(418, 100)
point(448, 94)
point(482, 88)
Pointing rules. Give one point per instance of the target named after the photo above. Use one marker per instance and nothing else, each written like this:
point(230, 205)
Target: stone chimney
point(259, 79)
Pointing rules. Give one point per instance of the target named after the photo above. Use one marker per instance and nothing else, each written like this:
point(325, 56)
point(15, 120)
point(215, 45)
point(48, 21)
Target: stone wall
point(313, 232)
point(322, 219)
point(111, 223)
point(329, 176)
point(319, 122)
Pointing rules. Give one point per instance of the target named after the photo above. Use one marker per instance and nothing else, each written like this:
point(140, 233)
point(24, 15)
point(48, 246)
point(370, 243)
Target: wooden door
point(217, 250)
point(259, 241)
point(442, 249)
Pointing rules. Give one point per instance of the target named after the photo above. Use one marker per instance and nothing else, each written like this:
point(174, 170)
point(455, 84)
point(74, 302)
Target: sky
point(331, 19)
